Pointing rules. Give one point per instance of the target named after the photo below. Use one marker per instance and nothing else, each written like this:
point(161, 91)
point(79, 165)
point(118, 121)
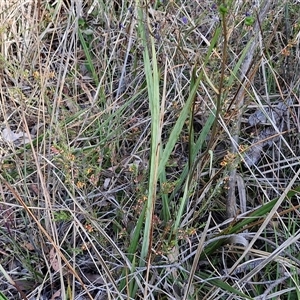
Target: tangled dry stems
point(75, 159)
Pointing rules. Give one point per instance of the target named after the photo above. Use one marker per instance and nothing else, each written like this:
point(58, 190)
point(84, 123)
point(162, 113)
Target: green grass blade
point(152, 78)
point(233, 229)
point(223, 285)
point(176, 131)
point(88, 56)
point(2, 297)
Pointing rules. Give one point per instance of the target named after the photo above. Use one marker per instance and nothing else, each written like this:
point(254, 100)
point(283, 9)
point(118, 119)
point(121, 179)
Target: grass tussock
point(149, 150)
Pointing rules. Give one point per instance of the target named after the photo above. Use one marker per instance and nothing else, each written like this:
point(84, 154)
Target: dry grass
point(88, 211)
